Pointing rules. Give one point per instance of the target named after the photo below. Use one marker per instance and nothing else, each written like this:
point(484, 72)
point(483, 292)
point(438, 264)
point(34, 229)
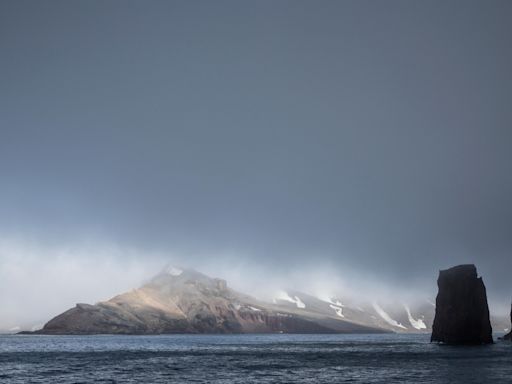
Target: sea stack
point(462, 312)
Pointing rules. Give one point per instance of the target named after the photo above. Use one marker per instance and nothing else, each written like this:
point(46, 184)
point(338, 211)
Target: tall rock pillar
point(462, 312)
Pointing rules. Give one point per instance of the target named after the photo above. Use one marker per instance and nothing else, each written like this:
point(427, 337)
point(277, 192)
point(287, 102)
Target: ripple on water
point(248, 358)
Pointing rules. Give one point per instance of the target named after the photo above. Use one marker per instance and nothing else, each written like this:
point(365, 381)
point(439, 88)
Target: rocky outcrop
point(186, 301)
point(462, 312)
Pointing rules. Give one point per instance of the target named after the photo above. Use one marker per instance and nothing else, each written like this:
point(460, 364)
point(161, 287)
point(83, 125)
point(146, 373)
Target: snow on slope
point(285, 297)
point(386, 317)
point(336, 305)
point(173, 271)
point(418, 324)
point(338, 310)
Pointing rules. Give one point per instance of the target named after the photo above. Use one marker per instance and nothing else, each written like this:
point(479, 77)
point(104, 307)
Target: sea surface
point(249, 359)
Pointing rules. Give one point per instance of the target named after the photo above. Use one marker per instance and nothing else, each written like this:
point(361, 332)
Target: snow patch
point(418, 324)
point(334, 304)
point(331, 300)
point(299, 302)
point(285, 297)
point(254, 309)
point(173, 271)
point(386, 317)
point(338, 310)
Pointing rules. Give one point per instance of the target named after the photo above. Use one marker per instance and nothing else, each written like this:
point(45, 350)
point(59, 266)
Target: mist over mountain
point(178, 300)
point(34, 292)
point(186, 301)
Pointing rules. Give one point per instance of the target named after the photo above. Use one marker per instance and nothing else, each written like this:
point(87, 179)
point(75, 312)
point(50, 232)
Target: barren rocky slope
point(186, 301)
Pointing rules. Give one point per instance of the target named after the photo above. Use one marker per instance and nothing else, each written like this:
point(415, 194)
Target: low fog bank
point(39, 281)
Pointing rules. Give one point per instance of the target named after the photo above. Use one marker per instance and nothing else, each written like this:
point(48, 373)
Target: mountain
point(393, 316)
point(186, 301)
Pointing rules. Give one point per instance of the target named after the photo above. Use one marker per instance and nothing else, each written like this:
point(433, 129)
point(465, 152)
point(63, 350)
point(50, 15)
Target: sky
point(260, 140)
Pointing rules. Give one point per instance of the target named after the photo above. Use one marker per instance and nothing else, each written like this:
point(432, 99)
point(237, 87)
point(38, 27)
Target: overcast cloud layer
point(361, 136)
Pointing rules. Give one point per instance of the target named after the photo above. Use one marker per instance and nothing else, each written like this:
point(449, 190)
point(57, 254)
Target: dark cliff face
point(462, 312)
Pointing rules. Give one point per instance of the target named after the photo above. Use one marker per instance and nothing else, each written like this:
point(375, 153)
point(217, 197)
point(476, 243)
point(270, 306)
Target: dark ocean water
point(249, 359)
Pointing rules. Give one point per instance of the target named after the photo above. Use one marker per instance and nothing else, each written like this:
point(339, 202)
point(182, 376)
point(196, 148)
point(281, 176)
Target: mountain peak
point(173, 270)
point(173, 277)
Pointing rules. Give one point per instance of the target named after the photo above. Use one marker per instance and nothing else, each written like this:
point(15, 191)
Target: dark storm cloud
point(375, 133)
